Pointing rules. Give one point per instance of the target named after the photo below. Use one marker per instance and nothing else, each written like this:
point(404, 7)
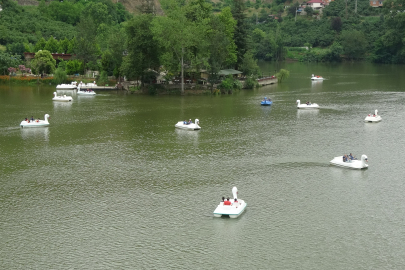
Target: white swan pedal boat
point(234, 210)
point(373, 118)
point(307, 106)
point(316, 78)
point(187, 126)
point(85, 92)
point(61, 98)
point(71, 86)
point(88, 85)
point(35, 123)
point(351, 164)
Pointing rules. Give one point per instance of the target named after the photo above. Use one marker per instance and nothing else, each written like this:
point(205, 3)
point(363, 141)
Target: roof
point(229, 72)
point(315, 1)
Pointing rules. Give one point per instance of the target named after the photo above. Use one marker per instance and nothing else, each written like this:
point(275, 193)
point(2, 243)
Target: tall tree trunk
point(182, 71)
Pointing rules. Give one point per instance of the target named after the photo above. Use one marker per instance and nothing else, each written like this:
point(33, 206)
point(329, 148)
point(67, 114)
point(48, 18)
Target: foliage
point(60, 76)
point(354, 44)
point(249, 65)
point(241, 30)
point(103, 78)
point(227, 85)
point(8, 60)
point(250, 83)
point(181, 35)
point(86, 46)
point(43, 62)
point(282, 75)
point(143, 51)
point(74, 67)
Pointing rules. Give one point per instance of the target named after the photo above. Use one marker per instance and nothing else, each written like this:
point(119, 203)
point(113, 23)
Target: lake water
point(111, 184)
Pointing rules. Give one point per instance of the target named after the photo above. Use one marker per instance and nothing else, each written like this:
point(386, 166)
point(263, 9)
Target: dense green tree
point(354, 44)
point(43, 62)
point(218, 49)
point(40, 45)
point(116, 45)
point(178, 35)
point(60, 76)
point(52, 45)
point(8, 60)
point(143, 50)
point(16, 48)
point(64, 45)
point(86, 47)
point(241, 30)
point(249, 65)
point(74, 67)
point(229, 23)
point(98, 12)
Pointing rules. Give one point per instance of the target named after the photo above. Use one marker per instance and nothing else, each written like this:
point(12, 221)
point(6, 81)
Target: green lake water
point(111, 184)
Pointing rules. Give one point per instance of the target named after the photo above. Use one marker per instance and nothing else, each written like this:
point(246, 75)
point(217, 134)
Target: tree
point(309, 10)
point(143, 50)
point(40, 45)
point(354, 43)
point(218, 49)
point(241, 31)
point(178, 35)
point(86, 46)
point(64, 46)
point(229, 23)
point(282, 75)
point(43, 62)
point(60, 76)
point(8, 60)
point(249, 65)
point(336, 24)
point(52, 45)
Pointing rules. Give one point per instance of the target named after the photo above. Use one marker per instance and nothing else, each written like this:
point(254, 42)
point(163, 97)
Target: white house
point(316, 4)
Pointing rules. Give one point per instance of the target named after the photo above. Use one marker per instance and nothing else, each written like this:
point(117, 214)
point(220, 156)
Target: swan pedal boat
point(351, 164)
point(373, 118)
point(88, 85)
point(234, 210)
point(85, 93)
point(307, 106)
point(266, 102)
point(192, 126)
point(71, 86)
point(316, 78)
point(61, 98)
point(36, 123)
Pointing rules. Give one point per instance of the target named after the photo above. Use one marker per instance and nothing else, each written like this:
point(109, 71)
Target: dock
point(267, 80)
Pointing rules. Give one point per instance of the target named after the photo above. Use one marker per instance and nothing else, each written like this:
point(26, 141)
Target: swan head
point(235, 192)
point(298, 101)
point(364, 158)
point(376, 112)
point(46, 116)
point(197, 121)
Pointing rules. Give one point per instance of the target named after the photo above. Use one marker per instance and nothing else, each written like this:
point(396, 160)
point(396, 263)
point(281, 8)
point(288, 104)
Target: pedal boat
point(191, 126)
point(373, 118)
point(351, 164)
point(266, 102)
point(61, 98)
point(307, 106)
point(234, 210)
point(36, 123)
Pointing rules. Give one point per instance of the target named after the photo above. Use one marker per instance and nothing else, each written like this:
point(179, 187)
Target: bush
point(250, 83)
point(60, 76)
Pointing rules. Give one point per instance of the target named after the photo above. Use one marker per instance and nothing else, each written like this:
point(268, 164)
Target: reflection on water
point(35, 133)
point(307, 113)
point(187, 135)
point(60, 105)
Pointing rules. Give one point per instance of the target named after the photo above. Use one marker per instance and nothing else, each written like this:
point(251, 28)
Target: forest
point(194, 35)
